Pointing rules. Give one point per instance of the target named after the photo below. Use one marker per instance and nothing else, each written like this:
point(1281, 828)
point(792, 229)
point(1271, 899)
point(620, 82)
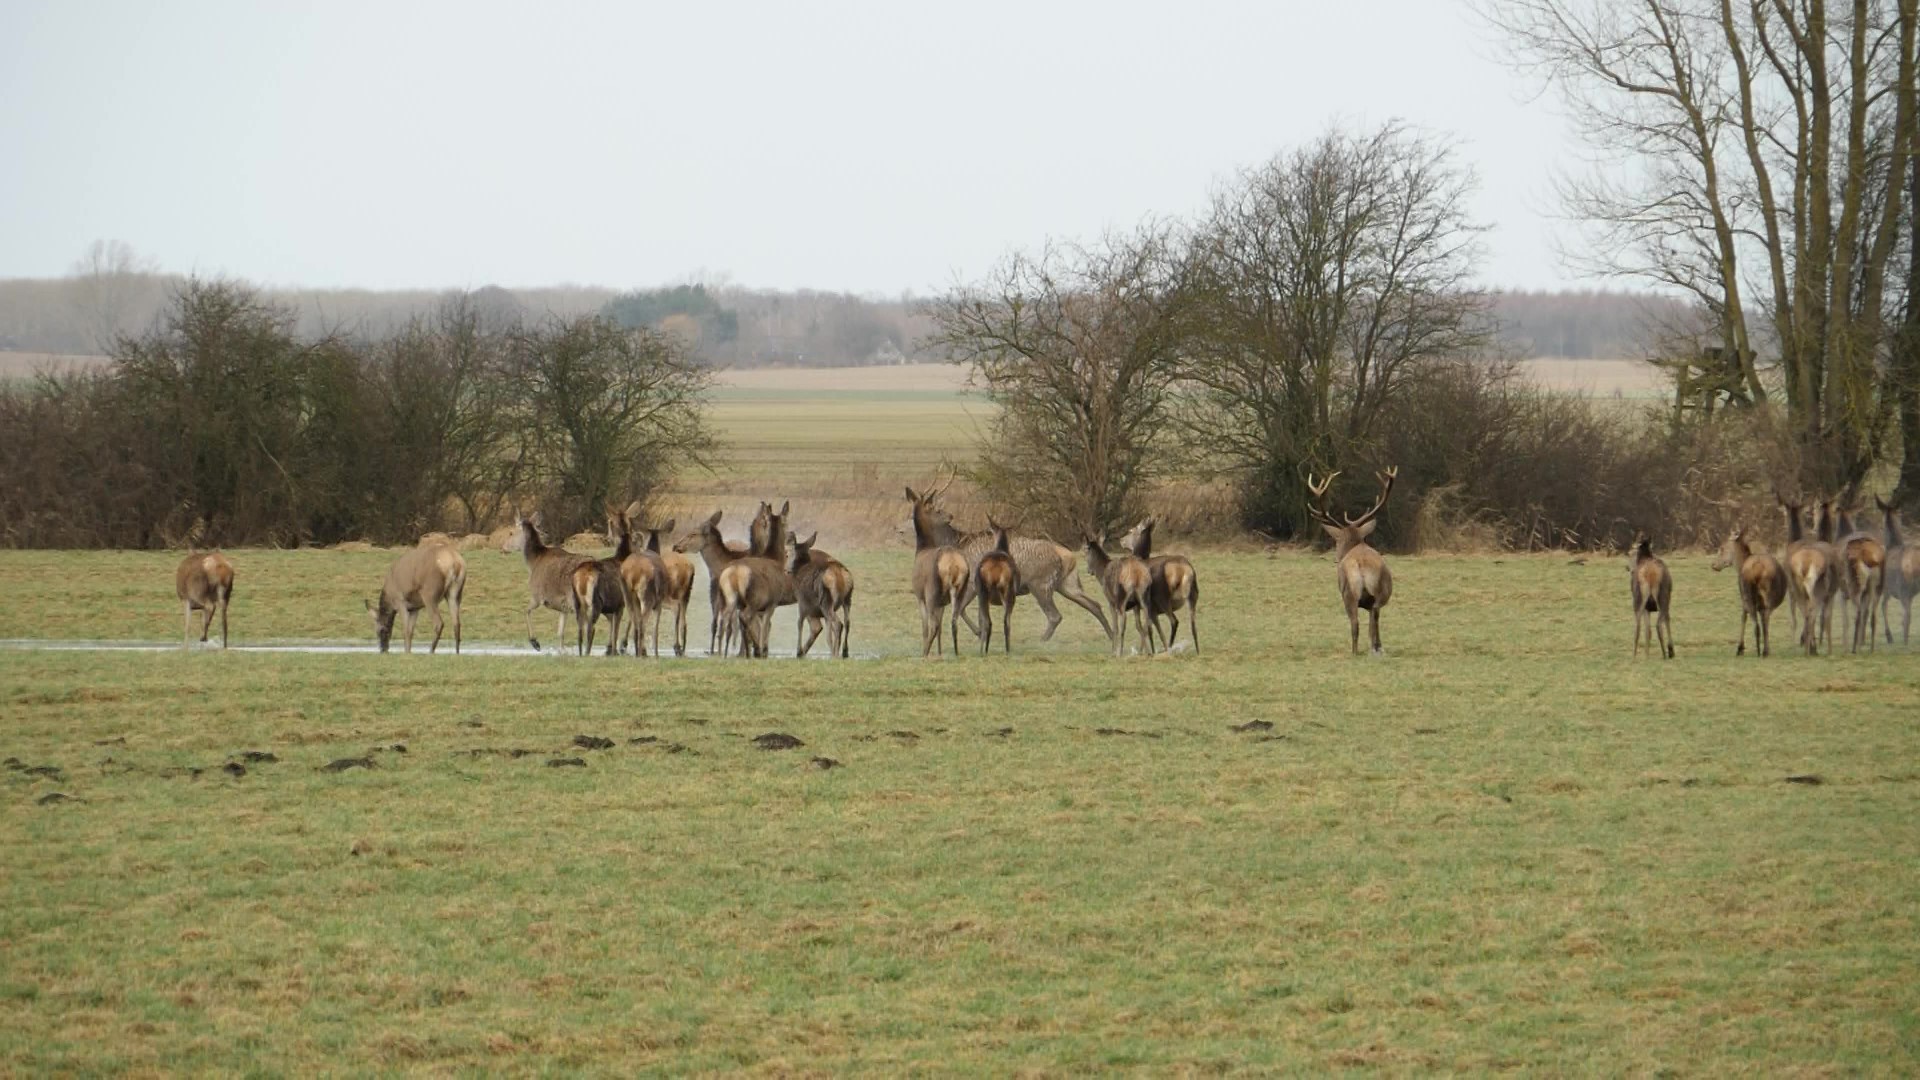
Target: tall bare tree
point(1319, 283)
point(112, 285)
point(1078, 345)
point(1751, 153)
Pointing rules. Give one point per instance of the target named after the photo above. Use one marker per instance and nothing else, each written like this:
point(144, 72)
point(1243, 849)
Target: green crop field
point(1504, 846)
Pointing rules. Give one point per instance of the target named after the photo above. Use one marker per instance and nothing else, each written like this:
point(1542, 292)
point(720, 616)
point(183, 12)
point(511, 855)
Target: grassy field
point(1503, 846)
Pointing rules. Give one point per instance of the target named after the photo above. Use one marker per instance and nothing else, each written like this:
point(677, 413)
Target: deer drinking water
point(996, 581)
point(1763, 585)
point(939, 576)
point(1652, 589)
point(421, 579)
point(557, 579)
point(824, 591)
point(1174, 585)
point(204, 583)
point(1126, 581)
point(1365, 582)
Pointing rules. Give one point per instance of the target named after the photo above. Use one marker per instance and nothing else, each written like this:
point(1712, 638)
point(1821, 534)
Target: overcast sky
point(866, 147)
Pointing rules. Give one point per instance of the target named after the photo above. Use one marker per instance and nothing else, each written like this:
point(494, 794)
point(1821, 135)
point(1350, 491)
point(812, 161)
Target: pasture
point(1502, 846)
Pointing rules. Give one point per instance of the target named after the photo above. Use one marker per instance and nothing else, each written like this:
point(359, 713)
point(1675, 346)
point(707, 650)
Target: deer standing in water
point(1174, 585)
point(939, 577)
point(716, 558)
point(421, 579)
point(1901, 575)
point(1652, 589)
point(676, 584)
point(641, 577)
point(824, 590)
point(1045, 568)
point(1125, 581)
point(996, 581)
point(557, 579)
point(204, 583)
point(1763, 585)
point(1365, 582)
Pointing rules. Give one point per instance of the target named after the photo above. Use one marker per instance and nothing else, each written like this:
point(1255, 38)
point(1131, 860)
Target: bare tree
point(112, 283)
point(1078, 345)
point(1319, 284)
point(1750, 153)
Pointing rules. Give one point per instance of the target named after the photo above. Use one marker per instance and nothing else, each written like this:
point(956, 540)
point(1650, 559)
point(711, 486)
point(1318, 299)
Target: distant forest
point(729, 326)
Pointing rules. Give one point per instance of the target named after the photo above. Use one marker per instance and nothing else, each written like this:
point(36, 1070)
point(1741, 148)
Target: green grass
point(1504, 846)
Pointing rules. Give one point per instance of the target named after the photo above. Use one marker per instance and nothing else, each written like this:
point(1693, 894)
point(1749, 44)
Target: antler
point(1386, 488)
point(1318, 489)
point(952, 474)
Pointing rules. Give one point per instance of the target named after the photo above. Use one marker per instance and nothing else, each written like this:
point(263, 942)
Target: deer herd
point(1825, 561)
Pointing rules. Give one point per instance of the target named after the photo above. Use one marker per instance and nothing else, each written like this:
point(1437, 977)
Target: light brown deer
point(1863, 561)
point(824, 589)
point(640, 575)
point(421, 579)
point(676, 587)
point(1045, 568)
point(1365, 582)
point(996, 581)
point(939, 577)
point(556, 579)
point(749, 592)
point(1652, 589)
point(716, 557)
point(1763, 585)
point(1902, 573)
point(611, 598)
point(1126, 581)
point(204, 583)
point(1175, 585)
point(1810, 577)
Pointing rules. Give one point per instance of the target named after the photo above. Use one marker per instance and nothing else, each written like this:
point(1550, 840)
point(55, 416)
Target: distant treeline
point(727, 326)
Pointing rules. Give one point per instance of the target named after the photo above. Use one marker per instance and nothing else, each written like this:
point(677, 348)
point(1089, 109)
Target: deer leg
point(1906, 619)
point(412, 617)
point(846, 630)
point(1666, 629)
point(1741, 649)
point(206, 622)
point(1761, 619)
point(1373, 628)
point(803, 640)
point(1353, 625)
point(1006, 626)
point(1069, 587)
point(455, 605)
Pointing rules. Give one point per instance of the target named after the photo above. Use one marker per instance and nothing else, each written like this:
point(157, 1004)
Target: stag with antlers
point(1365, 583)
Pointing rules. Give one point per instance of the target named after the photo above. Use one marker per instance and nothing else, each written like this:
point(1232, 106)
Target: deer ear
point(634, 509)
point(1334, 531)
point(668, 527)
point(809, 540)
point(911, 497)
point(715, 519)
point(1365, 530)
point(783, 508)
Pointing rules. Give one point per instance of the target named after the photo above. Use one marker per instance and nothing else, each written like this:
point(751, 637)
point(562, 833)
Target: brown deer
point(557, 579)
point(676, 586)
point(1652, 589)
point(640, 576)
point(1175, 585)
point(824, 589)
point(939, 577)
point(204, 582)
point(996, 581)
point(1863, 561)
point(749, 592)
point(1763, 585)
point(611, 599)
point(1365, 582)
point(716, 558)
point(1125, 581)
point(1045, 568)
point(1810, 578)
point(421, 579)
point(1901, 574)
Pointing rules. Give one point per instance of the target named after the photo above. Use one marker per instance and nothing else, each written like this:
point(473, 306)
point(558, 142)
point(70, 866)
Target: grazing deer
point(1125, 581)
point(1045, 568)
point(716, 559)
point(204, 582)
point(1901, 574)
point(1365, 582)
point(640, 575)
point(1652, 589)
point(432, 572)
point(996, 580)
point(1763, 585)
point(557, 579)
point(824, 589)
point(1863, 561)
point(1810, 577)
point(939, 577)
point(1174, 585)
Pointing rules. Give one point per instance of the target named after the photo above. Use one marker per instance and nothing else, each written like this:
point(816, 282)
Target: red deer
point(1863, 562)
point(749, 591)
point(1175, 585)
point(204, 582)
point(996, 580)
point(611, 598)
point(939, 577)
point(640, 576)
point(1902, 573)
point(1125, 581)
point(676, 587)
point(421, 579)
point(1045, 568)
point(716, 559)
point(1763, 585)
point(1365, 582)
point(557, 579)
point(1652, 598)
point(1810, 577)
point(824, 590)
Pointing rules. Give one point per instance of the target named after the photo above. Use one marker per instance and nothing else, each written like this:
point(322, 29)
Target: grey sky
point(868, 147)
